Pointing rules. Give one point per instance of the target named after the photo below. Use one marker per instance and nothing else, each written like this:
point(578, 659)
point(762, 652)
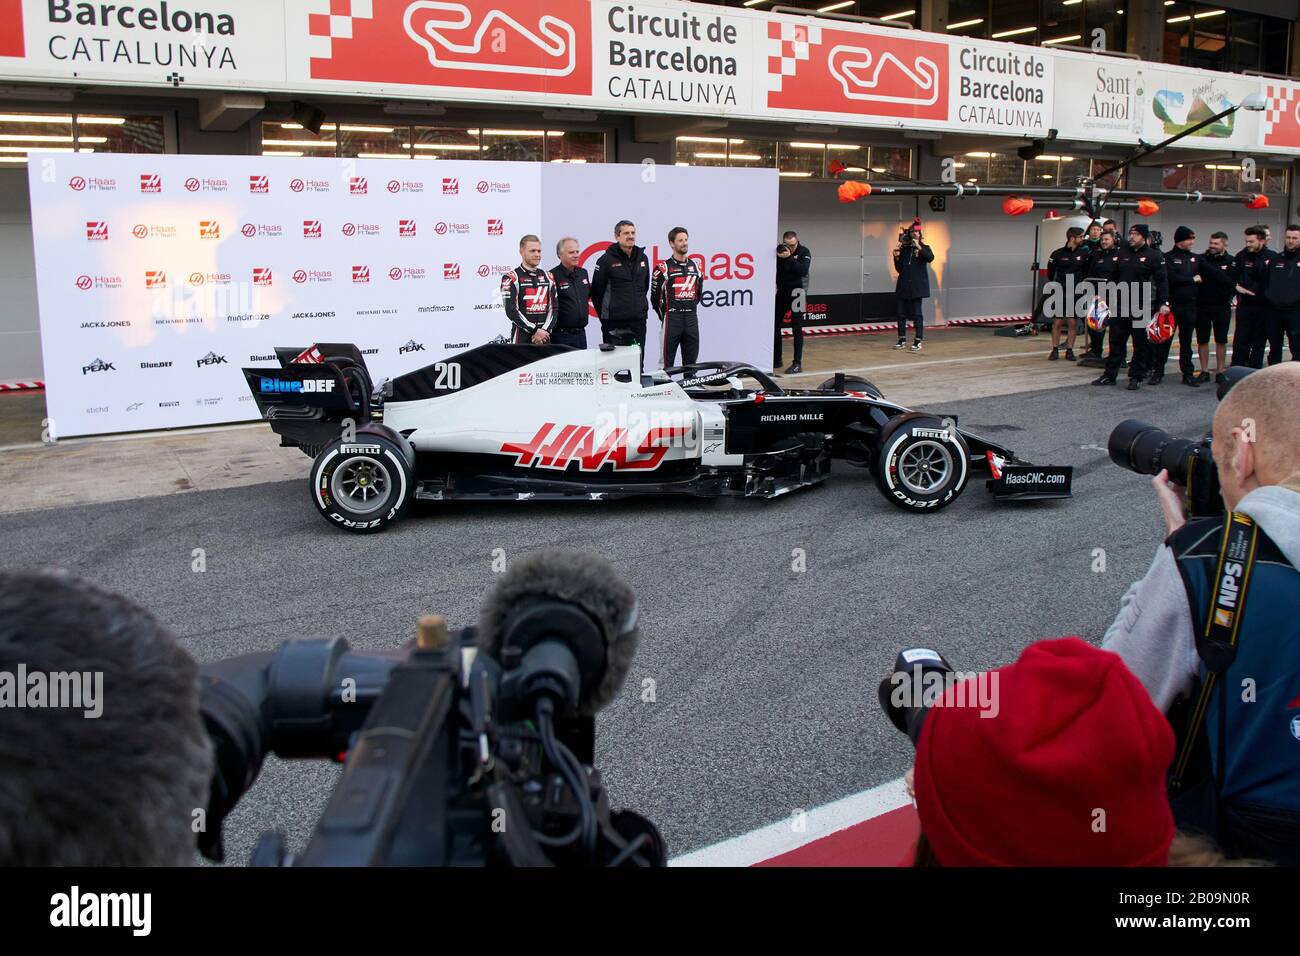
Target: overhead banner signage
point(653, 56)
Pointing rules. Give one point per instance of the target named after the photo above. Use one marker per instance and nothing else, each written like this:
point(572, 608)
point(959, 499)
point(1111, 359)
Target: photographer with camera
point(105, 757)
point(911, 260)
point(1214, 625)
point(793, 264)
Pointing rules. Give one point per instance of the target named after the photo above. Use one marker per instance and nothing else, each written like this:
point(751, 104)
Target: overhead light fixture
point(835, 6)
point(43, 149)
point(806, 145)
point(965, 23)
point(843, 146)
point(1013, 33)
point(900, 15)
point(34, 118)
point(309, 116)
point(701, 139)
point(979, 155)
point(1063, 40)
point(40, 138)
point(365, 129)
point(281, 152)
point(877, 169)
point(381, 155)
point(744, 157)
point(796, 175)
point(464, 147)
point(748, 3)
point(711, 156)
point(1183, 19)
point(309, 144)
point(1211, 13)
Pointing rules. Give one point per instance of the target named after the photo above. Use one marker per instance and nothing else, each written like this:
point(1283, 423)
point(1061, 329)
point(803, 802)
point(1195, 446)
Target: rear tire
point(923, 464)
point(853, 384)
point(362, 485)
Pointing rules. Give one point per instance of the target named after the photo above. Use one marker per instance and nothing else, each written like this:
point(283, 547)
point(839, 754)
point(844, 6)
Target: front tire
point(923, 464)
point(362, 485)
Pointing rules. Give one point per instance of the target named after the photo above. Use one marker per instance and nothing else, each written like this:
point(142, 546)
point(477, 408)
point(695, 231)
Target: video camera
point(906, 233)
point(1148, 449)
point(467, 748)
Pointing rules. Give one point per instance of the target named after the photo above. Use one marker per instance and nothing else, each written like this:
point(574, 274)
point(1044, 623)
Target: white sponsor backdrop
point(731, 217)
point(160, 277)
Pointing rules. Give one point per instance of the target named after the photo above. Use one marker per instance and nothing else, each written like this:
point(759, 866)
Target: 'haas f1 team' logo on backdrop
point(477, 44)
point(558, 446)
point(818, 68)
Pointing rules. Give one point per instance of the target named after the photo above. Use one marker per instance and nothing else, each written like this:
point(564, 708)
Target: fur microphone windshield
point(585, 581)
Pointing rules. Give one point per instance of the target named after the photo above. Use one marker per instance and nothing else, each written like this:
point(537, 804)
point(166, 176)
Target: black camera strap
point(1217, 643)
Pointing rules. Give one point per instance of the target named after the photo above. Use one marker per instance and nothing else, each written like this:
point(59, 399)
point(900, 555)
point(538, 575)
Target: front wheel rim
point(362, 485)
point(925, 467)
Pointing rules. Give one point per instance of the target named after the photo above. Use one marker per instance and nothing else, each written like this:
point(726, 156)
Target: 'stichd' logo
point(150, 183)
point(474, 44)
point(261, 275)
point(358, 186)
point(361, 273)
point(451, 270)
point(259, 184)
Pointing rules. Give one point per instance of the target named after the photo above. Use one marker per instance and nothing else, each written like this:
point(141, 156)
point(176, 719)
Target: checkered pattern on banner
point(787, 44)
point(331, 19)
point(1280, 101)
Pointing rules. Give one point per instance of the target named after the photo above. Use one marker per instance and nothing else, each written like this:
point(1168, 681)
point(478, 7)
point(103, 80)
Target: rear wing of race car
point(313, 392)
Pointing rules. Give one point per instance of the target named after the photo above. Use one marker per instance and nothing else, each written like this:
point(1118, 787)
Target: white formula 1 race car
point(549, 421)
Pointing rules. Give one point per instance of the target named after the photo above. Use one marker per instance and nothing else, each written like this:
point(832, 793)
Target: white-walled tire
point(923, 463)
point(363, 485)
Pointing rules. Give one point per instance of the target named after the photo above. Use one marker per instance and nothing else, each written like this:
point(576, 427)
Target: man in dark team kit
point(572, 293)
point(619, 285)
point(675, 293)
point(528, 295)
point(793, 262)
point(1144, 289)
point(1183, 268)
point(1214, 305)
point(1282, 295)
point(1103, 266)
point(1251, 335)
point(1069, 260)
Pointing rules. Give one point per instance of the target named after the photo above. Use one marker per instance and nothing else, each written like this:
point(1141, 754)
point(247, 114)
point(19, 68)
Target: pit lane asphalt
point(764, 678)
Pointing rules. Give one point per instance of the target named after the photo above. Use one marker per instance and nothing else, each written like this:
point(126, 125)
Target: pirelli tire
point(923, 463)
point(363, 485)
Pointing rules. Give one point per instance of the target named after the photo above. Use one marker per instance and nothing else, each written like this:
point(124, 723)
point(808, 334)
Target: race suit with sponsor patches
point(675, 294)
point(529, 300)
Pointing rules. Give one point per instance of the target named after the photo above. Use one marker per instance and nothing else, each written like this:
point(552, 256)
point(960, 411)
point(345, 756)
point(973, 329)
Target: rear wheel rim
point(362, 485)
point(925, 467)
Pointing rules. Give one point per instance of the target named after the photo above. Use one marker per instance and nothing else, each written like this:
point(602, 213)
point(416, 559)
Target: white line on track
point(781, 837)
point(918, 364)
point(135, 436)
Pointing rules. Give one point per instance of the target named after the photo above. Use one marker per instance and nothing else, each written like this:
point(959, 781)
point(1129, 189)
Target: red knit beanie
point(1070, 771)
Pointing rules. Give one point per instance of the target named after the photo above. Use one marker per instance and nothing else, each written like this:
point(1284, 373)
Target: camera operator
point(1141, 270)
point(112, 779)
point(1214, 305)
point(1231, 624)
point(793, 264)
point(911, 260)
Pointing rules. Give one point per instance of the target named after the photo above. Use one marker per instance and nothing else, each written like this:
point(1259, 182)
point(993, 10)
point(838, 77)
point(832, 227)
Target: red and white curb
point(992, 320)
point(870, 328)
point(21, 386)
point(877, 827)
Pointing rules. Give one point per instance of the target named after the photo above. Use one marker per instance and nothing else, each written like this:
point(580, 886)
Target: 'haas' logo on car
point(558, 446)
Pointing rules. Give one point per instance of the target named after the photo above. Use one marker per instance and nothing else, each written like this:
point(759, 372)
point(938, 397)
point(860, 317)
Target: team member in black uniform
point(572, 293)
point(674, 293)
point(528, 294)
point(1069, 261)
point(1144, 289)
point(1103, 266)
point(1183, 268)
point(793, 263)
point(1249, 339)
point(1092, 241)
point(619, 285)
point(1214, 305)
point(1282, 295)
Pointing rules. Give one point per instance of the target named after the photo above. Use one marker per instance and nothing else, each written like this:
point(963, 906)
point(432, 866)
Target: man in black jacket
point(1103, 266)
point(618, 288)
point(1144, 288)
point(1282, 295)
point(1183, 268)
point(1251, 335)
point(572, 293)
point(1214, 305)
point(793, 263)
point(1067, 266)
point(911, 261)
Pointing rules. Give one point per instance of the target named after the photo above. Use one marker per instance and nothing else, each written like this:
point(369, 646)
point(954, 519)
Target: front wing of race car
point(1019, 481)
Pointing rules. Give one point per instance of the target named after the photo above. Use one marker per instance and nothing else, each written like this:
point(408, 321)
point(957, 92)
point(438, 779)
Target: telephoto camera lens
point(1147, 449)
